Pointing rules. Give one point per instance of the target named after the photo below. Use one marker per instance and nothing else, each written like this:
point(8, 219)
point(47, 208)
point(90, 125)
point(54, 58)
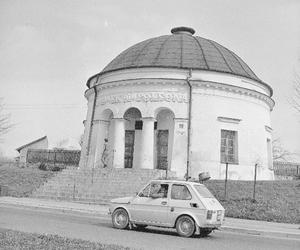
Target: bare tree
point(279, 153)
point(5, 124)
point(62, 143)
point(295, 100)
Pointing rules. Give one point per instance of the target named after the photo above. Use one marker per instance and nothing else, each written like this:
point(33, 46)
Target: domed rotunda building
point(180, 103)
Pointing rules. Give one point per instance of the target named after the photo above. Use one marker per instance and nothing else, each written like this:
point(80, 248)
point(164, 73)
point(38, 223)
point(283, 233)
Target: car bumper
point(211, 225)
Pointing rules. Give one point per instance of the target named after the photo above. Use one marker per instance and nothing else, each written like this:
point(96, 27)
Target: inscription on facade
point(143, 97)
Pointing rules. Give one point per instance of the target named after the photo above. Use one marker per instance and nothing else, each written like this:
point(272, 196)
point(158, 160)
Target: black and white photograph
point(150, 124)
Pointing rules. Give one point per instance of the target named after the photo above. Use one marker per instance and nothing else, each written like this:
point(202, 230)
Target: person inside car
point(158, 190)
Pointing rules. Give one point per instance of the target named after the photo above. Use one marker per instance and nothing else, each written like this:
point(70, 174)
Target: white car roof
point(176, 181)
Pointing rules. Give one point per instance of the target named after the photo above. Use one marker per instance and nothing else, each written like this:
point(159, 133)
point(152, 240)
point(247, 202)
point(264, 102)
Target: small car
point(187, 206)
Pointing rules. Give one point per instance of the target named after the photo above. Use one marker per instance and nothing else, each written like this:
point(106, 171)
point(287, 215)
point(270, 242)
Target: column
point(179, 154)
point(119, 142)
point(102, 133)
point(147, 143)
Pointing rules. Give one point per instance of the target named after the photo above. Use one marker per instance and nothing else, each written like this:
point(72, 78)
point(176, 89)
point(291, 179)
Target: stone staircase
point(97, 185)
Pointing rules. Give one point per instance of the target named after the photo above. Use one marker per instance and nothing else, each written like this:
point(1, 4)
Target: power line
point(43, 106)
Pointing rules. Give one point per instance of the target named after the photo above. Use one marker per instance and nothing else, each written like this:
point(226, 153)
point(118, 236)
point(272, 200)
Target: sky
point(48, 50)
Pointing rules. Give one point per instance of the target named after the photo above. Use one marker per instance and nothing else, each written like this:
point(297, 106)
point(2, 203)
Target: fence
point(287, 169)
point(66, 157)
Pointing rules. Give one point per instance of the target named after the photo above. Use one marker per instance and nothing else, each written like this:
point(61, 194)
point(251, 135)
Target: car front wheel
point(120, 218)
point(185, 226)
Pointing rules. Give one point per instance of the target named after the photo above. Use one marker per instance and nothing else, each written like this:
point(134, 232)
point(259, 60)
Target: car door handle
point(194, 205)
point(164, 203)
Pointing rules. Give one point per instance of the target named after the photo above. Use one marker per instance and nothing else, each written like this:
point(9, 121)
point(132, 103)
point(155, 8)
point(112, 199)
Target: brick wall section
point(98, 185)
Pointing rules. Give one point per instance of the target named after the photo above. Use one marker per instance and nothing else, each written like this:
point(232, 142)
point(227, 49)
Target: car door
point(148, 210)
point(181, 201)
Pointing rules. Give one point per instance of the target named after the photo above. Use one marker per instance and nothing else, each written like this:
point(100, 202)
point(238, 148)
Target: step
point(97, 184)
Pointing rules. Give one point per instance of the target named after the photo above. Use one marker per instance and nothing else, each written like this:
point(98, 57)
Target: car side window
point(145, 192)
point(180, 192)
point(159, 190)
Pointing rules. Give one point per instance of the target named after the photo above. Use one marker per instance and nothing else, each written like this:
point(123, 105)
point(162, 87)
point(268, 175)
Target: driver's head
point(155, 186)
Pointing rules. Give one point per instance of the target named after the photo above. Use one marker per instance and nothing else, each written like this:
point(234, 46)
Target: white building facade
point(181, 103)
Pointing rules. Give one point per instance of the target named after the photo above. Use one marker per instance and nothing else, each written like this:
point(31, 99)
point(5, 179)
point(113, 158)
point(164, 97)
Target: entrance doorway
point(133, 131)
point(129, 148)
point(162, 149)
point(164, 138)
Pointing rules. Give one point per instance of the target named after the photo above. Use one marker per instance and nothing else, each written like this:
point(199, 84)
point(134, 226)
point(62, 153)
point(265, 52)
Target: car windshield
point(203, 191)
point(145, 192)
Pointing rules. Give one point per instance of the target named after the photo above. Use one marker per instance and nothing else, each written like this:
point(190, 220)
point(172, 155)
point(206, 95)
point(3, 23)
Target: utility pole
point(226, 176)
point(189, 125)
point(255, 172)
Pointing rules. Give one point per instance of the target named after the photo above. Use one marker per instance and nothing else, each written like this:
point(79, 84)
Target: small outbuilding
point(41, 143)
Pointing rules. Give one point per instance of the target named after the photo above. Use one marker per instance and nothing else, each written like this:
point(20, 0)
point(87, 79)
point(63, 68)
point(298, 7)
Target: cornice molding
point(195, 83)
point(171, 73)
point(98, 121)
point(180, 119)
point(236, 90)
point(138, 82)
point(229, 119)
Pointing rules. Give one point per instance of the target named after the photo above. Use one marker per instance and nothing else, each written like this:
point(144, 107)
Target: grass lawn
point(277, 201)
point(18, 240)
point(20, 182)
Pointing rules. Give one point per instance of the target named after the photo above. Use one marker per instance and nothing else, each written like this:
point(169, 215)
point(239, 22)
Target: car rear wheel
point(205, 231)
point(120, 218)
point(185, 226)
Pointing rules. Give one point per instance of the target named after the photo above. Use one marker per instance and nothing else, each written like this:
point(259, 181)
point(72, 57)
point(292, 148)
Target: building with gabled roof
point(40, 143)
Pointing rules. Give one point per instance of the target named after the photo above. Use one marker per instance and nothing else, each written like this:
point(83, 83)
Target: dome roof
point(181, 50)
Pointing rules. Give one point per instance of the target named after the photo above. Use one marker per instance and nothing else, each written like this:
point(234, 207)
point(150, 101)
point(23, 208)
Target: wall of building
point(246, 110)
point(90, 95)
point(246, 115)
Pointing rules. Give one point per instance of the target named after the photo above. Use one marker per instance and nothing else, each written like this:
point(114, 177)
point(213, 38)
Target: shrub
point(56, 169)
point(43, 166)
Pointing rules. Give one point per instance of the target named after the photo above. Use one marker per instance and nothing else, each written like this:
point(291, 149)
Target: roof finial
point(183, 30)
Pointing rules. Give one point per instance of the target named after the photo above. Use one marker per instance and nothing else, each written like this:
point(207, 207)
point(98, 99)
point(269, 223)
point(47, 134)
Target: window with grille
point(229, 147)
point(138, 125)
